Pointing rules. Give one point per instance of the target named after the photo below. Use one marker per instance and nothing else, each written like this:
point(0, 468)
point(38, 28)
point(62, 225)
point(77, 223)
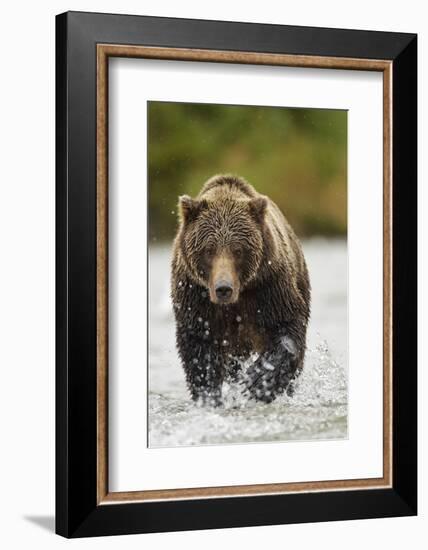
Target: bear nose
point(223, 290)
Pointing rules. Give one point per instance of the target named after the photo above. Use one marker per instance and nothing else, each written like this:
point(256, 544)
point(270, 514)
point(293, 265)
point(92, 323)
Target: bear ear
point(258, 208)
point(189, 208)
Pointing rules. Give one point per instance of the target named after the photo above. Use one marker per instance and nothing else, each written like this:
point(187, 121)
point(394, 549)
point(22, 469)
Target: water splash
point(318, 410)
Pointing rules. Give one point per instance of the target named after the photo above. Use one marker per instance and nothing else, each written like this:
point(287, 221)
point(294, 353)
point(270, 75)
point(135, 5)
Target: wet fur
point(273, 306)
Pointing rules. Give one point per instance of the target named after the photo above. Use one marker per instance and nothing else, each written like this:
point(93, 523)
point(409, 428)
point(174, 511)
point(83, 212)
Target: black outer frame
point(77, 513)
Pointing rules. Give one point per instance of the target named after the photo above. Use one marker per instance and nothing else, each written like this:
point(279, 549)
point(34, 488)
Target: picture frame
point(84, 44)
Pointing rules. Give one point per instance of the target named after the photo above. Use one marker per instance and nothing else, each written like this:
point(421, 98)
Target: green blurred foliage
point(298, 157)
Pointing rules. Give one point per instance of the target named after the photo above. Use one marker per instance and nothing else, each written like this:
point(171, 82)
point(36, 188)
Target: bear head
point(222, 241)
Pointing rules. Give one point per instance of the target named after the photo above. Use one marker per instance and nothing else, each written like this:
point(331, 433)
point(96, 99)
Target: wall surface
point(27, 271)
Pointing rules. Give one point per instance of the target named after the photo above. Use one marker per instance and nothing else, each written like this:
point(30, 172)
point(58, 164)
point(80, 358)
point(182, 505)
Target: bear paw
point(261, 381)
point(207, 398)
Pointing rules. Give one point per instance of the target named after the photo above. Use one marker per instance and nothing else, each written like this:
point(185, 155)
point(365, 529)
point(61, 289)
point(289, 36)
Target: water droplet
point(268, 366)
point(238, 318)
point(225, 343)
point(200, 319)
point(206, 324)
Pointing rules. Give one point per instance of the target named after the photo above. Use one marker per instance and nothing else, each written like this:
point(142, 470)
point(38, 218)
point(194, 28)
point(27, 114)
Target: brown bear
point(240, 292)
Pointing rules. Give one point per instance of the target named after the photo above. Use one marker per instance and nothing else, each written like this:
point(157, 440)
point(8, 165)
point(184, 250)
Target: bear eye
point(237, 251)
point(210, 251)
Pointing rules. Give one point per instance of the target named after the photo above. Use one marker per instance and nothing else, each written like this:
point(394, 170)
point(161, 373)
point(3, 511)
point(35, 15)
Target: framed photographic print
point(236, 274)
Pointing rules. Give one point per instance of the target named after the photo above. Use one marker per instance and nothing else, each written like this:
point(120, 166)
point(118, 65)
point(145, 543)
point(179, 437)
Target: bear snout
point(223, 281)
point(223, 291)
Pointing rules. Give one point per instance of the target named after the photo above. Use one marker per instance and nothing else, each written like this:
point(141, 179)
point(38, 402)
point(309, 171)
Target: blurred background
point(296, 156)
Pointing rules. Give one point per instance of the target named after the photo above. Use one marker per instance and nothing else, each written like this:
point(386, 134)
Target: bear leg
point(274, 371)
point(204, 370)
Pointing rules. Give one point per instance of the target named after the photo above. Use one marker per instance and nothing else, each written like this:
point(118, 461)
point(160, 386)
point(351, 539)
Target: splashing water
point(318, 409)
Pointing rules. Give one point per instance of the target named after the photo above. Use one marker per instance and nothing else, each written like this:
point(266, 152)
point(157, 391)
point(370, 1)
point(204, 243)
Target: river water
point(318, 409)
